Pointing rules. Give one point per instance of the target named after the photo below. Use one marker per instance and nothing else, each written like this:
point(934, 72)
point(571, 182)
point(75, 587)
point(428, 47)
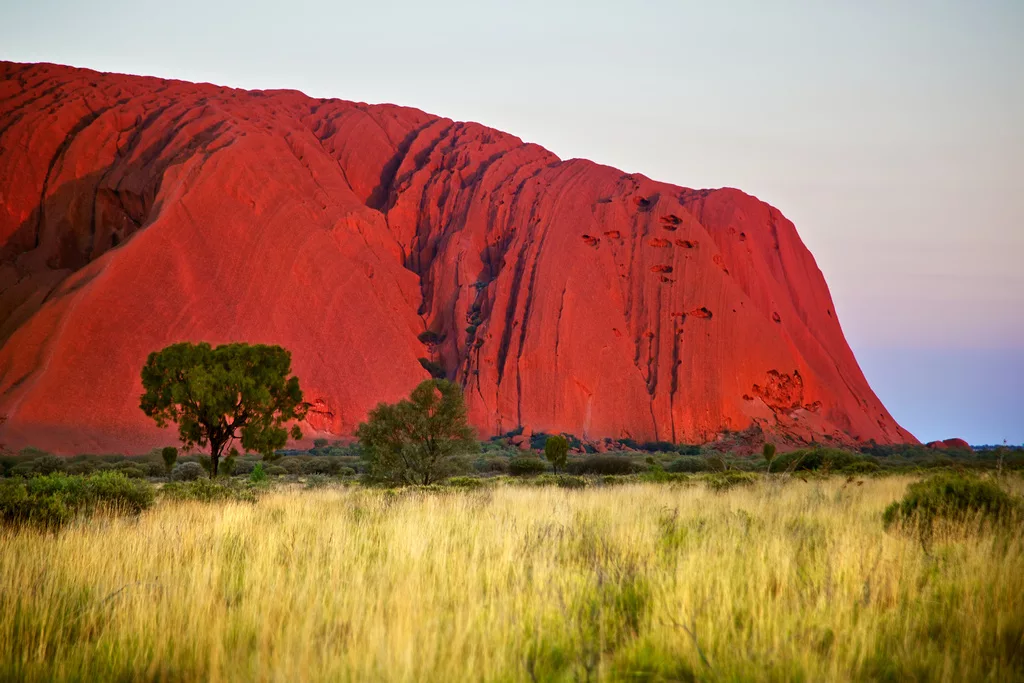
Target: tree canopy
point(556, 450)
point(418, 440)
point(218, 395)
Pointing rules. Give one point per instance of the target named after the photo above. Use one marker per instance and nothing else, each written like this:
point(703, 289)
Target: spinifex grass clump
point(53, 500)
point(956, 498)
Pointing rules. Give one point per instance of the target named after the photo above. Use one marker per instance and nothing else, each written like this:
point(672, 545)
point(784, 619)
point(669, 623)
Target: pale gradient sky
point(892, 136)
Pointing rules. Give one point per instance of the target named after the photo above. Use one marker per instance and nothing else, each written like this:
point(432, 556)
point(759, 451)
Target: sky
point(892, 134)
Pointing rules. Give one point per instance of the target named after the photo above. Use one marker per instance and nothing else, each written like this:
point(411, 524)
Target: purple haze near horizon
point(891, 135)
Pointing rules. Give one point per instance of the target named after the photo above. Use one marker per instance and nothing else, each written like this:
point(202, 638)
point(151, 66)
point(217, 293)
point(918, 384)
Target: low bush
point(244, 467)
point(52, 500)
point(257, 475)
point(207, 491)
point(957, 498)
point(276, 471)
point(657, 475)
point(564, 481)
point(464, 482)
point(861, 467)
point(187, 471)
point(317, 481)
point(723, 481)
point(689, 464)
point(524, 466)
point(605, 464)
point(130, 470)
point(48, 464)
point(293, 464)
point(321, 465)
point(569, 481)
point(493, 465)
point(81, 467)
point(618, 479)
point(809, 459)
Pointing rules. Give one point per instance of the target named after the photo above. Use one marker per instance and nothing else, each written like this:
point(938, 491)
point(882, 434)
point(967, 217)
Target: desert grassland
point(633, 582)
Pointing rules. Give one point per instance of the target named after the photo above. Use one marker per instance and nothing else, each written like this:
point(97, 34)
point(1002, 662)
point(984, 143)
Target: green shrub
point(153, 469)
point(346, 471)
point(565, 481)
point(464, 482)
point(321, 465)
point(568, 481)
point(293, 464)
point(687, 449)
point(723, 481)
point(689, 465)
point(81, 467)
point(658, 475)
point(861, 467)
point(187, 471)
point(495, 465)
point(276, 471)
point(243, 467)
point(317, 481)
point(808, 459)
point(523, 466)
point(48, 464)
point(498, 449)
point(605, 464)
point(22, 469)
point(954, 497)
point(130, 470)
point(209, 491)
point(257, 475)
point(113, 490)
point(618, 479)
point(53, 500)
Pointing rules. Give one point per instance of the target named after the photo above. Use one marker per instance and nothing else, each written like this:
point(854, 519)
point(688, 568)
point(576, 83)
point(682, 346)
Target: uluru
point(380, 244)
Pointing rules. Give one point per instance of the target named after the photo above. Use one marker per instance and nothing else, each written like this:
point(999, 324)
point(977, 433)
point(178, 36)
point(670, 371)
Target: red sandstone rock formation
point(563, 295)
point(947, 444)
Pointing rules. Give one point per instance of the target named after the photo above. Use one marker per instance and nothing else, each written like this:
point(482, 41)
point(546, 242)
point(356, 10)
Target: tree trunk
point(214, 458)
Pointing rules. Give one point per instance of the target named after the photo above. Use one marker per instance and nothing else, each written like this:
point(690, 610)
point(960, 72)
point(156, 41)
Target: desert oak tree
point(219, 395)
point(418, 440)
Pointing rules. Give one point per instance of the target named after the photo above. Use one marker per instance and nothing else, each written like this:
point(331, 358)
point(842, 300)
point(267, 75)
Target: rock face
point(950, 444)
point(373, 241)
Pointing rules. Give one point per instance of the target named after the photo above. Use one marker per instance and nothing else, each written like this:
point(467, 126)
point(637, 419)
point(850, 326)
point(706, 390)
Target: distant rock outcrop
point(376, 242)
point(948, 444)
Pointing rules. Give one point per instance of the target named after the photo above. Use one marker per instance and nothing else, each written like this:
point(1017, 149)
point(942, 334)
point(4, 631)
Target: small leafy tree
point(258, 475)
point(170, 456)
point(769, 454)
point(218, 395)
point(418, 440)
point(556, 450)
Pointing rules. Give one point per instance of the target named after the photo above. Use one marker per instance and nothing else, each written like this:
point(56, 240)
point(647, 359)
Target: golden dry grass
point(635, 582)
